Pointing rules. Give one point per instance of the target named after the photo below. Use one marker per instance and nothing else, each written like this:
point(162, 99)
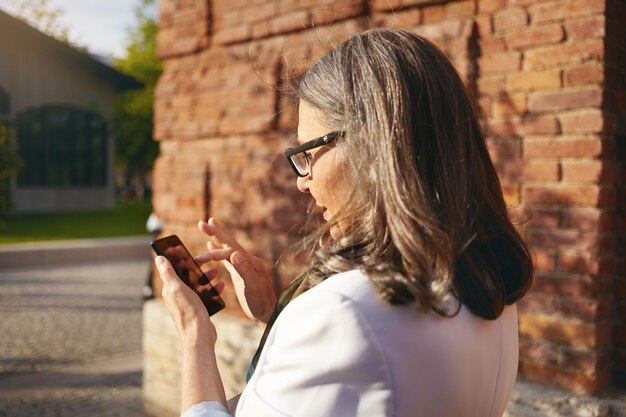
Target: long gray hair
point(426, 213)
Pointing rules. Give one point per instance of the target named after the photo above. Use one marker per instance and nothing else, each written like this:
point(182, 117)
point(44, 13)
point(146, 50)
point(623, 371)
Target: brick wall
point(549, 75)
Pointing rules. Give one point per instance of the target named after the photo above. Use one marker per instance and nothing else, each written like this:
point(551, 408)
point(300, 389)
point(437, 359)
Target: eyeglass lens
point(301, 162)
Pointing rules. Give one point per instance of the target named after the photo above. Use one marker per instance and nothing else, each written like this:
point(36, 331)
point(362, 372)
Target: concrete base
point(532, 400)
point(237, 341)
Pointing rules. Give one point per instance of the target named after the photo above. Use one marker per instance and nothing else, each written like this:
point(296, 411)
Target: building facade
point(549, 76)
point(59, 102)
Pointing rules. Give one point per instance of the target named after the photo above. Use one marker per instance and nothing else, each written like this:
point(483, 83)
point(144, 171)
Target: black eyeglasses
point(300, 159)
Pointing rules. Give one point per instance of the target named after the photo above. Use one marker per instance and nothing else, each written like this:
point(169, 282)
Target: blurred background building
point(59, 102)
point(550, 78)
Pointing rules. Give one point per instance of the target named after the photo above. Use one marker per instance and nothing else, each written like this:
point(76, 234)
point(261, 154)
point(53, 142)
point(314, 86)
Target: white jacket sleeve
point(206, 409)
point(320, 359)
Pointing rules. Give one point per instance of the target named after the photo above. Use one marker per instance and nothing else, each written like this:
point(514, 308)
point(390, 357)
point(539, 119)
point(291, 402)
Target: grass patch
point(126, 219)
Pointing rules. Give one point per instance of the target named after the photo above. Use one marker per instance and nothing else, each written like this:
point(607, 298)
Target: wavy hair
point(432, 220)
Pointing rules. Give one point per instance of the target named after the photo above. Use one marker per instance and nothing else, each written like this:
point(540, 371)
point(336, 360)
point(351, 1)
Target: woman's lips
point(325, 213)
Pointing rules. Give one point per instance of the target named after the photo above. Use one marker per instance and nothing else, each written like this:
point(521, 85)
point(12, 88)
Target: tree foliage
point(10, 164)
point(135, 149)
point(42, 16)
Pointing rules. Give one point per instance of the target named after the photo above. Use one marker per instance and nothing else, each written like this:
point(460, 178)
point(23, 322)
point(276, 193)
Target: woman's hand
point(251, 278)
point(200, 377)
point(189, 314)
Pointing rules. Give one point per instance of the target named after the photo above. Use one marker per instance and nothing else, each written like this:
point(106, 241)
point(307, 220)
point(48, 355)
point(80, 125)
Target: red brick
point(442, 30)
point(559, 330)
point(521, 2)
point(260, 12)
point(535, 80)
point(568, 239)
point(433, 14)
point(592, 73)
point(596, 171)
point(565, 100)
point(587, 219)
point(231, 34)
point(456, 9)
point(543, 260)
point(261, 30)
point(406, 18)
point(529, 125)
point(339, 11)
point(620, 289)
point(484, 104)
point(504, 149)
point(546, 218)
point(492, 85)
point(620, 335)
point(550, 11)
point(532, 170)
point(590, 27)
point(228, 20)
point(509, 105)
point(572, 380)
point(571, 308)
point(583, 264)
point(384, 5)
point(564, 147)
point(484, 24)
point(536, 36)
point(298, 20)
point(490, 46)
point(584, 360)
point(511, 193)
point(508, 19)
point(571, 286)
point(221, 6)
point(567, 53)
point(509, 61)
point(488, 6)
point(582, 121)
point(570, 195)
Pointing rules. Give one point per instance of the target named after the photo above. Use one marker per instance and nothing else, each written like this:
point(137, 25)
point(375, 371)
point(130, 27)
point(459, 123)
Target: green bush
point(10, 164)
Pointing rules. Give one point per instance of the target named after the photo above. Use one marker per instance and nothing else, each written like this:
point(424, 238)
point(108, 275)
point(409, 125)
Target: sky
point(99, 25)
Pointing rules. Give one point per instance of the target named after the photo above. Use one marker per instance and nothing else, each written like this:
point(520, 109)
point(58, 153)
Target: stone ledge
point(532, 400)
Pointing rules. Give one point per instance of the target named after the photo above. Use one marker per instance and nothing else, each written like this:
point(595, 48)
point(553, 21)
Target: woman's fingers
point(244, 268)
point(215, 229)
point(214, 255)
point(219, 287)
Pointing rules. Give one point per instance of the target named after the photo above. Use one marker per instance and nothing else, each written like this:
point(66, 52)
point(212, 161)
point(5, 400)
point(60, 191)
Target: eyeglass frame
point(307, 146)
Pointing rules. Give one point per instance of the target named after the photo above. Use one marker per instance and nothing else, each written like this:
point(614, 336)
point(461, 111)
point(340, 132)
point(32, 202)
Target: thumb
point(243, 267)
point(166, 272)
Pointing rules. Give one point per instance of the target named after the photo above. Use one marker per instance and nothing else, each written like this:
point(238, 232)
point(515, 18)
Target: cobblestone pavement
point(70, 340)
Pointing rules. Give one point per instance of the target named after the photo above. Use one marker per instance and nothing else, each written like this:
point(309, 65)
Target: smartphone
point(189, 271)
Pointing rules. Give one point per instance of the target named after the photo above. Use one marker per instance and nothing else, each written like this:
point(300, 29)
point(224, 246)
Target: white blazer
point(339, 350)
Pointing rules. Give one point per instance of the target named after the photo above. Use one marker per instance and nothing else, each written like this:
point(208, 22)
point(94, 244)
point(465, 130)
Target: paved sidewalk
point(107, 388)
point(66, 252)
point(70, 333)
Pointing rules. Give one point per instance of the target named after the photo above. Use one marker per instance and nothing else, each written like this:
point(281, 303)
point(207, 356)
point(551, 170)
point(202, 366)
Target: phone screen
point(189, 271)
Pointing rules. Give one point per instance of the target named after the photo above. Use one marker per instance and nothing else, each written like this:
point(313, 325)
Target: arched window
point(62, 147)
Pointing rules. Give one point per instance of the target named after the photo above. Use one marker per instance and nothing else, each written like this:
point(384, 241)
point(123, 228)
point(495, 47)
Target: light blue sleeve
point(206, 409)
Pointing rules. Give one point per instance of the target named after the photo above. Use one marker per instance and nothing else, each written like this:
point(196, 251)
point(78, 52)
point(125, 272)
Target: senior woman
point(407, 306)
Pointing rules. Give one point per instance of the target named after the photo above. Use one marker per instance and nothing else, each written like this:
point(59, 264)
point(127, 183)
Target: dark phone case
point(191, 275)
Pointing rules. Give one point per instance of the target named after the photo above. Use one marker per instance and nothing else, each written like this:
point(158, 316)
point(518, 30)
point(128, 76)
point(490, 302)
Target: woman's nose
point(303, 183)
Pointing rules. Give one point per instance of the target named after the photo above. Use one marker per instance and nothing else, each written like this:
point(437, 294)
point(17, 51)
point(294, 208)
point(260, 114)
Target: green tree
point(135, 149)
point(10, 164)
point(42, 16)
